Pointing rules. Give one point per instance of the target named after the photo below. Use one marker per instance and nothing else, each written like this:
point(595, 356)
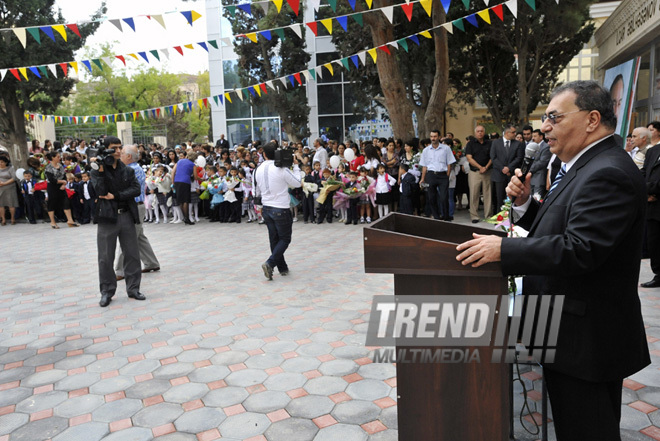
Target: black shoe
point(347, 223)
point(137, 296)
point(105, 300)
point(268, 270)
point(355, 222)
point(284, 273)
point(148, 270)
point(475, 221)
point(188, 222)
point(655, 283)
point(329, 221)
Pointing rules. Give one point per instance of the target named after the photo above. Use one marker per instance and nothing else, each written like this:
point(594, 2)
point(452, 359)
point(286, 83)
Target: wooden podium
point(442, 401)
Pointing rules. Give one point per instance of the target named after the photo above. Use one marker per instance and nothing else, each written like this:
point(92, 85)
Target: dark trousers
point(88, 210)
point(32, 208)
point(76, 209)
point(584, 410)
point(235, 208)
point(653, 240)
point(500, 194)
point(279, 222)
point(438, 193)
point(352, 214)
point(308, 208)
point(325, 209)
point(405, 204)
point(224, 212)
point(106, 240)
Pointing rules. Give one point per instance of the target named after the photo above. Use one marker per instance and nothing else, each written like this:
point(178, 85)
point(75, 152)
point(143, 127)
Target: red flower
point(500, 218)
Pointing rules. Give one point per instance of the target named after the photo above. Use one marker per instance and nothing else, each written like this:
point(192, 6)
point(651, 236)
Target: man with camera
point(117, 214)
point(272, 180)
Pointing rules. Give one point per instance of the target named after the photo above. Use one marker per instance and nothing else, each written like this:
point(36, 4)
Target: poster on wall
point(621, 81)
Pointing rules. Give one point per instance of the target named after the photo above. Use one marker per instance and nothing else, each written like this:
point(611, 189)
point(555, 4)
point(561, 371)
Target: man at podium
point(584, 242)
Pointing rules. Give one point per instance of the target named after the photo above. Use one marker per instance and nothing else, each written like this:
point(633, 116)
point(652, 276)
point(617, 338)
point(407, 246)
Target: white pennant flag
point(316, 4)
point(117, 23)
point(283, 80)
point(308, 77)
point(297, 28)
point(159, 19)
point(227, 41)
point(448, 27)
point(85, 119)
point(486, 1)
point(513, 7)
point(107, 60)
point(271, 85)
point(389, 13)
point(394, 44)
point(180, 106)
point(53, 69)
point(363, 57)
point(3, 72)
point(264, 6)
point(20, 34)
point(319, 72)
point(166, 52)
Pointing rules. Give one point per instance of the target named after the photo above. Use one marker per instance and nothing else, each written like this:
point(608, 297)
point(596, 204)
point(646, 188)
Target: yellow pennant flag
point(194, 15)
point(329, 67)
point(252, 36)
point(135, 116)
point(257, 89)
point(426, 34)
point(60, 30)
point(134, 56)
point(227, 96)
point(74, 64)
point(427, 4)
point(23, 70)
point(278, 5)
point(328, 24)
point(200, 103)
point(485, 15)
point(369, 2)
point(373, 54)
point(174, 109)
point(189, 46)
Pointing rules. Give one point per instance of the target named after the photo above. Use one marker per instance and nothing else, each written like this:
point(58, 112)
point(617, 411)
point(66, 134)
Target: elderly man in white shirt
point(321, 154)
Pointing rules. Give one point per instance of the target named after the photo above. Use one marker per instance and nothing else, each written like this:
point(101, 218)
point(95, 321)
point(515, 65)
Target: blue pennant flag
point(352, 3)
point(221, 99)
point(251, 89)
point(472, 20)
point(291, 80)
point(415, 39)
point(129, 21)
point(266, 35)
point(144, 55)
point(445, 4)
point(88, 65)
point(48, 31)
point(354, 59)
point(203, 45)
point(343, 21)
point(35, 71)
point(245, 7)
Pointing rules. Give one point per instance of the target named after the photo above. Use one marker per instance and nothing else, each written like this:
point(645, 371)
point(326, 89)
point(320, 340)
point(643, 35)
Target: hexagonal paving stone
point(79, 405)
point(72, 345)
point(325, 385)
point(341, 432)
point(215, 342)
point(149, 388)
point(264, 361)
point(91, 431)
point(44, 401)
point(246, 377)
point(369, 390)
point(174, 370)
point(310, 406)
point(43, 378)
point(41, 429)
point(131, 434)
point(350, 352)
point(163, 352)
point(208, 374)
point(279, 347)
point(111, 385)
point(244, 425)
point(200, 420)
point(157, 415)
point(225, 396)
point(178, 436)
point(183, 393)
point(377, 371)
point(117, 410)
point(15, 374)
point(292, 429)
point(338, 367)
point(12, 421)
point(356, 412)
point(247, 344)
point(131, 350)
point(14, 396)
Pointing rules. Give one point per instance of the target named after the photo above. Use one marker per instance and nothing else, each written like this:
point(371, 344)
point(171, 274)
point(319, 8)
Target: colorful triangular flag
point(445, 5)
point(159, 19)
point(20, 34)
point(129, 21)
point(472, 19)
point(389, 13)
point(74, 29)
point(297, 28)
point(313, 26)
point(427, 4)
point(403, 43)
point(327, 23)
point(35, 34)
point(458, 23)
point(278, 5)
point(499, 11)
point(374, 55)
point(48, 31)
point(408, 10)
point(358, 19)
point(448, 27)
point(294, 4)
point(266, 35)
point(35, 71)
point(87, 64)
point(117, 23)
point(513, 7)
point(245, 7)
point(343, 22)
point(532, 4)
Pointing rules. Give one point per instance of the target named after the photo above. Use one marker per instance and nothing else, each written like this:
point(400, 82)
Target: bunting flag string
point(61, 28)
point(257, 89)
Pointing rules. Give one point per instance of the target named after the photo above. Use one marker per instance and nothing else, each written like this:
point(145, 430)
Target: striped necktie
point(557, 180)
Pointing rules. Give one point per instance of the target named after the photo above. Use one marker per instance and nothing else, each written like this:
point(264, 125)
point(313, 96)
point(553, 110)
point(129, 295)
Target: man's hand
point(480, 250)
point(506, 171)
point(651, 198)
point(519, 189)
point(109, 197)
point(482, 170)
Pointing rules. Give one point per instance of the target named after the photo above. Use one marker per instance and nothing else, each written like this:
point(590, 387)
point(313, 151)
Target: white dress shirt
point(272, 184)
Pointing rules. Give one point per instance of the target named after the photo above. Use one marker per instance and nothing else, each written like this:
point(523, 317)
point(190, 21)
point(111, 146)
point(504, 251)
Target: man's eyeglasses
point(554, 116)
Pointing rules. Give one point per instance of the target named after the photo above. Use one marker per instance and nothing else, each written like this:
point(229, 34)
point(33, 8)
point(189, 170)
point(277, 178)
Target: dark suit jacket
point(503, 157)
point(81, 191)
point(585, 242)
point(539, 168)
point(651, 172)
point(408, 185)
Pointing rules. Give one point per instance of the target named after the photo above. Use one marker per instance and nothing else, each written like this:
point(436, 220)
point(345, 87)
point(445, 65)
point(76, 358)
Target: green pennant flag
point(532, 4)
point(155, 54)
point(280, 33)
point(333, 5)
point(35, 33)
point(403, 43)
point(344, 61)
point(467, 4)
point(213, 43)
point(126, 116)
point(232, 10)
point(312, 72)
point(358, 19)
point(215, 98)
point(459, 24)
point(97, 61)
point(43, 70)
point(246, 94)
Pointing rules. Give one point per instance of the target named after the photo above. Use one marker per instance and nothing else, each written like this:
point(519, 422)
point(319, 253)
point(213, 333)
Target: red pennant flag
point(385, 49)
point(312, 26)
point(121, 57)
point(498, 10)
point(65, 67)
point(75, 119)
point(408, 9)
point(263, 88)
point(206, 102)
point(74, 28)
point(297, 77)
point(295, 5)
point(178, 49)
point(158, 112)
point(15, 73)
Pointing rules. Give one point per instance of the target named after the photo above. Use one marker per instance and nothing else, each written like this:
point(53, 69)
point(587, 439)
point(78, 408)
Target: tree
point(40, 95)
point(271, 59)
point(512, 66)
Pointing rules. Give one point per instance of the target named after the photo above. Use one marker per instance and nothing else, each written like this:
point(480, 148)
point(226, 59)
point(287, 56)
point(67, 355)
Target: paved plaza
point(217, 351)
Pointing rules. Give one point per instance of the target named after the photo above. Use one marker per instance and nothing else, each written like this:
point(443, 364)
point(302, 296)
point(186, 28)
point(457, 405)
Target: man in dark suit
point(539, 168)
point(584, 242)
point(651, 172)
point(507, 155)
point(222, 143)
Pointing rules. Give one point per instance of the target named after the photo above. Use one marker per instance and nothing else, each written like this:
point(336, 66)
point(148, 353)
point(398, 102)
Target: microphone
point(530, 154)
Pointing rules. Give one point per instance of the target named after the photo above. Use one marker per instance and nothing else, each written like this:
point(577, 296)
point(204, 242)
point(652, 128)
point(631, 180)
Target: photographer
point(271, 182)
point(117, 214)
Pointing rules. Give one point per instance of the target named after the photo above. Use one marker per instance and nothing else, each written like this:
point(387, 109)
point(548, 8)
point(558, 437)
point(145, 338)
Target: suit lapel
point(654, 153)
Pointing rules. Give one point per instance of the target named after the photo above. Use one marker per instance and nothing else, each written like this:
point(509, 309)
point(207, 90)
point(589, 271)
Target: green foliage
point(267, 60)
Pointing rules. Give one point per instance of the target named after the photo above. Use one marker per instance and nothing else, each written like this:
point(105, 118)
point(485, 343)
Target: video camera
point(283, 158)
point(103, 156)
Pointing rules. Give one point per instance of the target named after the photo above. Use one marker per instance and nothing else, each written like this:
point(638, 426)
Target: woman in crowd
point(358, 162)
point(172, 158)
point(36, 147)
point(183, 173)
point(8, 194)
point(57, 197)
point(371, 159)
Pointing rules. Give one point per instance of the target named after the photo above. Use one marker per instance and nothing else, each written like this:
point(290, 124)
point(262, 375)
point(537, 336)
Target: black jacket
point(651, 172)
point(123, 185)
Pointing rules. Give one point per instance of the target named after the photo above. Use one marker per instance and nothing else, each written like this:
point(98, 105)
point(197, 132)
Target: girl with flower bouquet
point(384, 183)
point(163, 182)
point(368, 197)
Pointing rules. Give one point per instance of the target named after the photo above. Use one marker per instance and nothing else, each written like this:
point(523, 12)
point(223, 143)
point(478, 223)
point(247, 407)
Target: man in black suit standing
point(222, 142)
point(651, 172)
point(584, 242)
point(539, 168)
point(507, 155)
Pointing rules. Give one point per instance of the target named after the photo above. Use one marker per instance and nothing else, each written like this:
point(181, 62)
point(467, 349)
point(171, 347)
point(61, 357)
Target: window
point(327, 57)
point(332, 127)
point(239, 132)
point(266, 129)
point(644, 78)
point(330, 98)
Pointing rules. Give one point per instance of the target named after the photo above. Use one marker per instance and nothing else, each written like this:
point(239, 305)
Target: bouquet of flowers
point(502, 221)
point(328, 187)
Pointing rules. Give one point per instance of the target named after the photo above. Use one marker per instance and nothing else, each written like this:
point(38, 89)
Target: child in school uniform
point(325, 209)
point(235, 206)
point(87, 198)
point(406, 189)
point(364, 204)
point(32, 208)
point(352, 211)
point(384, 183)
point(248, 196)
point(163, 183)
point(308, 194)
point(340, 175)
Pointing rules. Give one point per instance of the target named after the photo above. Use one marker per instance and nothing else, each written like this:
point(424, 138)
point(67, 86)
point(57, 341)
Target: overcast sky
point(149, 34)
